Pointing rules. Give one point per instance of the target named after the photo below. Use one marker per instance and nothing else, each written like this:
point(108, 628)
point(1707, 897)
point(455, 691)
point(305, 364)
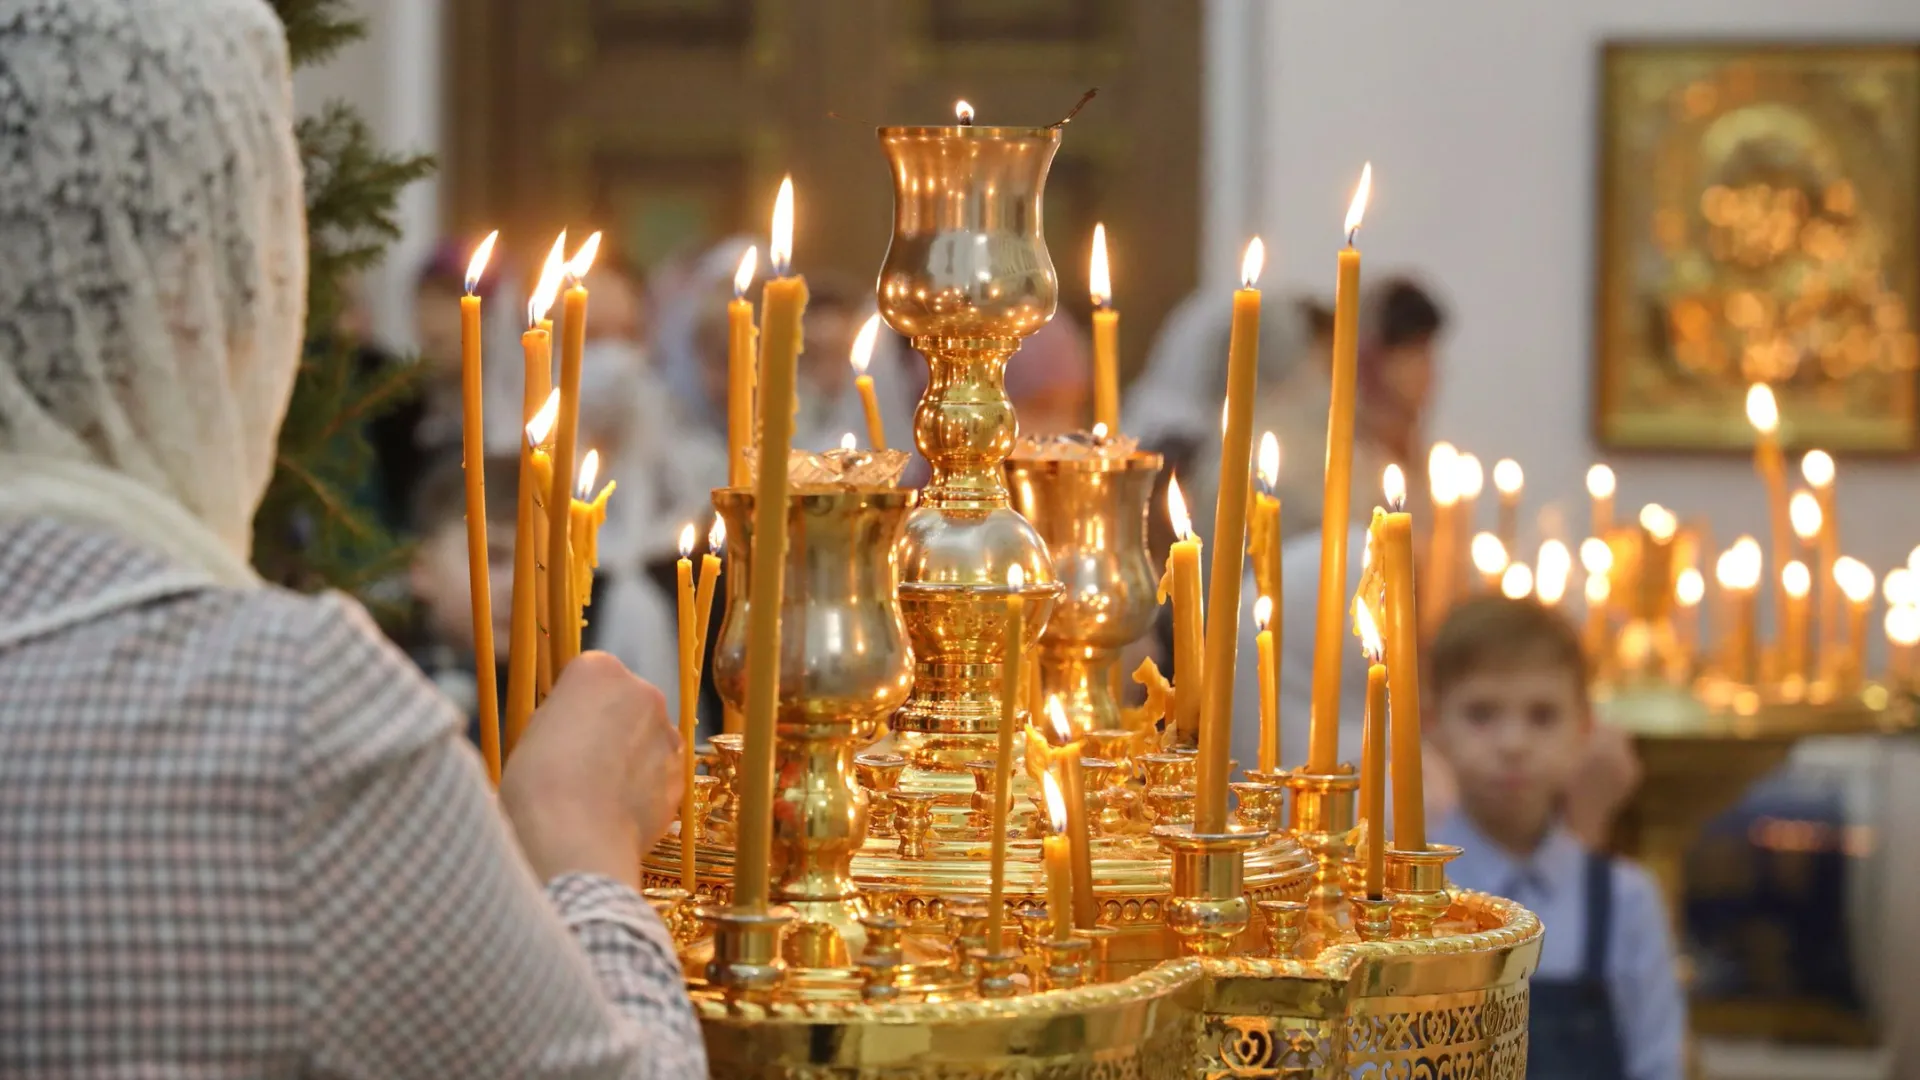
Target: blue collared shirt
point(1640, 963)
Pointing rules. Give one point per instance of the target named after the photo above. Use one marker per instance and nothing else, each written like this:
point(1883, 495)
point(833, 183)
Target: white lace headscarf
point(152, 286)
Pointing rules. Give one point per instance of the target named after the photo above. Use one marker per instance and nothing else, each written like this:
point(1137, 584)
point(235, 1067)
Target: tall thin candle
point(1229, 550)
point(1012, 650)
point(1373, 753)
point(1818, 469)
point(1323, 736)
point(782, 303)
point(1763, 412)
point(862, 356)
point(563, 621)
point(1106, 336)
point(1181, 581)
point(1403, 667)
point(1263, 547)
point(527, 613)
point(473, 460)
point(740, 376)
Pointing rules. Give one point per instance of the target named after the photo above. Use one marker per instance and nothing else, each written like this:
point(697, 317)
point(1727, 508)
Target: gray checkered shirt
point(240, 836)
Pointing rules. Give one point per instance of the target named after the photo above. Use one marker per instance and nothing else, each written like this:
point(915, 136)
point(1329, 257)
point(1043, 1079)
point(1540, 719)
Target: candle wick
point(1352, 234)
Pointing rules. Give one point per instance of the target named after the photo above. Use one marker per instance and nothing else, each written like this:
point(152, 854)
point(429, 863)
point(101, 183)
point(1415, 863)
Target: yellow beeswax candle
point(1402, 642)
point(473, 459)
point(1057, 861)
point(1106, 336)
point(1181, 581)
point(740, 373)
point(861, 357)
point(1269, 701)
point(563, 621)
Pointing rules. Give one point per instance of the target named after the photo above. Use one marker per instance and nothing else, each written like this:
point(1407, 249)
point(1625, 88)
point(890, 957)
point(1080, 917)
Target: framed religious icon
point(1759, 221)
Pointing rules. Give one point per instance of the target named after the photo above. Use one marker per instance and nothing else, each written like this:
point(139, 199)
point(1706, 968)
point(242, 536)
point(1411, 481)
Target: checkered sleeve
point(433, 952)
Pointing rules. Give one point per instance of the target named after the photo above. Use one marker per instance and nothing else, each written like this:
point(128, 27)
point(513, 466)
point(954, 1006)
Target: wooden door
point(670, 122)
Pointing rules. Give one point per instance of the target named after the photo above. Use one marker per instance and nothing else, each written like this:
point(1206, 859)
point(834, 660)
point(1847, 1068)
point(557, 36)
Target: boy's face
point(1514, 737)
point(439, 580)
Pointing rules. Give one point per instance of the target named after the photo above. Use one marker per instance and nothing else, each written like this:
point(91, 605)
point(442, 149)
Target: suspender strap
point(1599, 916)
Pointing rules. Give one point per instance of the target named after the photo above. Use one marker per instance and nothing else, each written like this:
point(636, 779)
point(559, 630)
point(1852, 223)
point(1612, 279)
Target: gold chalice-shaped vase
point(966, 277)
point(1092, 513)
point(844, 667)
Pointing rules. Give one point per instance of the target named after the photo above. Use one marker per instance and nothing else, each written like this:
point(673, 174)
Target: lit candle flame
point(863, 343)
point(743, 274)
point(1901, 588)
point(1016, 577)
point(1508, 478)
point(1369, 633)
point(1177, 510)
point(717, 535)
point(1269, 460)
point(1056, 803)
point(1659, 522)
point(1595, 556)
point(1804, 511)
point(847, 441)
point(1763, 412)
point(1551, 571)
point(1263, 613)
point(780, 249)
point(1854, 579)
point(1469, 478)
point(1442, 468)
point(1057, 719)
point(1903, 626)
point(963, 112)
point(1357, 209)
point(1393, 483)
point(478, 264)
point(542, 423)
point(1600, 481)
point(1817, 467)
point(1488, 553)
point(1796, 579)
point(552, 275)
point(589, 472)
point(686, 541)
point(1517, 581)
point(1099, 431)
point(1252, 263)
point(1099, 278)
point(1690, 588)
point(582, 260)
point(1598, 589)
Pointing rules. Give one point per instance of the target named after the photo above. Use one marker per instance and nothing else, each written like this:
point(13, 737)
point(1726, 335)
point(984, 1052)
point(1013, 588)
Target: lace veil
point(152, 267)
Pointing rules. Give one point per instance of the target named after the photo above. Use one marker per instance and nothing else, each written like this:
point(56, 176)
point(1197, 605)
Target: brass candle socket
point(915, 821)
point(1320, 815)
point(1092, 514)
point(1208, 908)
point(1114, 746)
point(1167, 770)
point(881, 963)
point(1100, 960)
point(966, 277)
point(1064, 963)
point(1258, 805)
point(843, 667)
point(1416, 883)
point(996, 968)
point(967, 927)
point(1372, 919)
point(1284, 920)
point(1100, 818)
point(671, 905)
point(1170, 805)
point(746, 962)
point(1035, 924)
point(980, 804)
point(879, 774)
point(705, 790)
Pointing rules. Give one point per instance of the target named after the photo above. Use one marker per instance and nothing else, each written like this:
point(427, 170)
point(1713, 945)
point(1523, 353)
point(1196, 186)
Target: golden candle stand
point(1236, 954)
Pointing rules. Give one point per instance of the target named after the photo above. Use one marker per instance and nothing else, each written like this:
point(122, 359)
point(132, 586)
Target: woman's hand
point(596, 778)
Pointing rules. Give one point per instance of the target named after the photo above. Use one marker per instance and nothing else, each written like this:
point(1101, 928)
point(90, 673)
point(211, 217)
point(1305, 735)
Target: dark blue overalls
point(1572, 1034)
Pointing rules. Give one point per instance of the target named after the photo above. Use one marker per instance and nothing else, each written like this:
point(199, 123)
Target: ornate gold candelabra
point(876, 960)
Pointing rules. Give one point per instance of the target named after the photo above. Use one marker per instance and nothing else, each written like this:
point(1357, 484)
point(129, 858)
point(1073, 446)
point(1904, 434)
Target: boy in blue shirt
point(1511, 718)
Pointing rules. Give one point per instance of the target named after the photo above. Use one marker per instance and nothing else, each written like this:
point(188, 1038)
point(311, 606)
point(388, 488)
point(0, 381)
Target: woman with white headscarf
point(239, 834)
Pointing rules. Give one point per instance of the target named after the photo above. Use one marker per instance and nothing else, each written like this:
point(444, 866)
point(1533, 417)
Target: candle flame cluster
point(1659, 522)
point(1739, 566)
